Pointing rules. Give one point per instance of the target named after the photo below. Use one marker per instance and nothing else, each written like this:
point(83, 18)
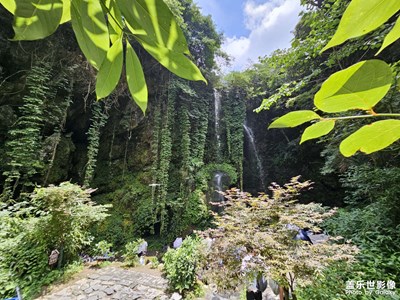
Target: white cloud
point(270, 25)
point(237, 47)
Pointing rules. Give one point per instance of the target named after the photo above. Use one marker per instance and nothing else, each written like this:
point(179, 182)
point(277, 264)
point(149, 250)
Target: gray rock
point(109, 291)
point(175, 296)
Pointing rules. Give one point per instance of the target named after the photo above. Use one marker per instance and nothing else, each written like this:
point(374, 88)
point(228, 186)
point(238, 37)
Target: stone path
point(113, 283)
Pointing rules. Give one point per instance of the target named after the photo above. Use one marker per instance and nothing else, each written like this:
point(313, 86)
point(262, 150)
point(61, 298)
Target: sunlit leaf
point(115, 22)
point(10, 5)
point(177, 63)
point(360, 86)
point(91, 30)
point(317, 130)
point(361, 17)
point(154, 24)
point(66, 14)
point(36, 19)
point(294, 118)
point(110, 71)
point(371, 138)
point(135, 78)
point(392, 36)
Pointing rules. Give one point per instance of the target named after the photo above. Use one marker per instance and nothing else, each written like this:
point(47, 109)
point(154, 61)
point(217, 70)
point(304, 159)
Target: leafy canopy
point(102, 27)
point(263, 227)
point(359, 87)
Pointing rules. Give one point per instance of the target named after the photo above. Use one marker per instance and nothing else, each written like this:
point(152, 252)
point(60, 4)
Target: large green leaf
point(371, 138)
point(110, 70)
point(135, 78)
point(91, 30)
point(36, 19)
point(360, 86)
point(361, 17)
point(177, 63)
point(294, 118)
point(11, 5)
point(154, 24)
point(392, 36)
point(317, 130)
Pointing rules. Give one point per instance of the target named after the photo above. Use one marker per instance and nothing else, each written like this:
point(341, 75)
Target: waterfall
point(250, 135)
point(218, 187)
point(217, 112)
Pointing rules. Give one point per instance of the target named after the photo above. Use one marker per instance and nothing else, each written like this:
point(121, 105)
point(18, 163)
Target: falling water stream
point(252, 141)
point(218, 185)
point(217, 112)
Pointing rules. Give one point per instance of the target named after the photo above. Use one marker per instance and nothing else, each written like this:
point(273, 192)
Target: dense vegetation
point(154, 175)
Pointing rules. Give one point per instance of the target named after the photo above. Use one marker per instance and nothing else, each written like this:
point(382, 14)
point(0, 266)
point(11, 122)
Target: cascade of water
point(217, 111)
point(218, 187)
point(218, 184)
point(250, 135)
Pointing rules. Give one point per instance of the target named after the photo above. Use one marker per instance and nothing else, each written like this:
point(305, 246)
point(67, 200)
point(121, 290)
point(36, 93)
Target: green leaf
point(361, 86)
point(177, 63)
point(91, 30)
point(317, 130)
point(371, 138)
point(66, 14)
point(135, 78)
point(110, 71)
point(36, 19)
point(294, 118)
point(10, 5)
point(115, 22)
point(392, 36)
point(153, 23)
point(361, 17)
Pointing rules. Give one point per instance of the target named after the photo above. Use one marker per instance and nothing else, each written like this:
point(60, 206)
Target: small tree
point(263, 226)
point(58, 217)
point(181, 265)
point(66, 213)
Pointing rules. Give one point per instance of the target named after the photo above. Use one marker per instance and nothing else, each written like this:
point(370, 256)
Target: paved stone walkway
point(113, 283)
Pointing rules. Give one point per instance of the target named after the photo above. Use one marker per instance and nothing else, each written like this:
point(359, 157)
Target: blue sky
point(252, 28)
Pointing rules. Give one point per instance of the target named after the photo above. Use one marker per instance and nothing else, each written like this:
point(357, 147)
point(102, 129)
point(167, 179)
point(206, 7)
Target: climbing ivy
point(98, 121)
point(57, 116)
point(24, 138)
point(234, 111)
point(165, 157)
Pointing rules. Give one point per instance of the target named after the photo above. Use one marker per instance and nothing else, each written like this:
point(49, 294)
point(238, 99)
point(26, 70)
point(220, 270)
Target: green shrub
point(180, 266)
point(154, 263)
point(57, 217)
point(103, 248)
point(370, 228)
point(131, 257)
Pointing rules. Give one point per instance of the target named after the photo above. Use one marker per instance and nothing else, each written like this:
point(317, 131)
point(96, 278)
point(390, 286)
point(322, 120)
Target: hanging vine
point(98, 121)
point(165, 156)
point(57, 116)
point(200, 115)
point(155, 153)
point(24, 137)
point(234, 111)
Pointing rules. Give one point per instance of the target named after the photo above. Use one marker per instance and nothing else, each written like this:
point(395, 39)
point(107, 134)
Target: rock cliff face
point(145, 165)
